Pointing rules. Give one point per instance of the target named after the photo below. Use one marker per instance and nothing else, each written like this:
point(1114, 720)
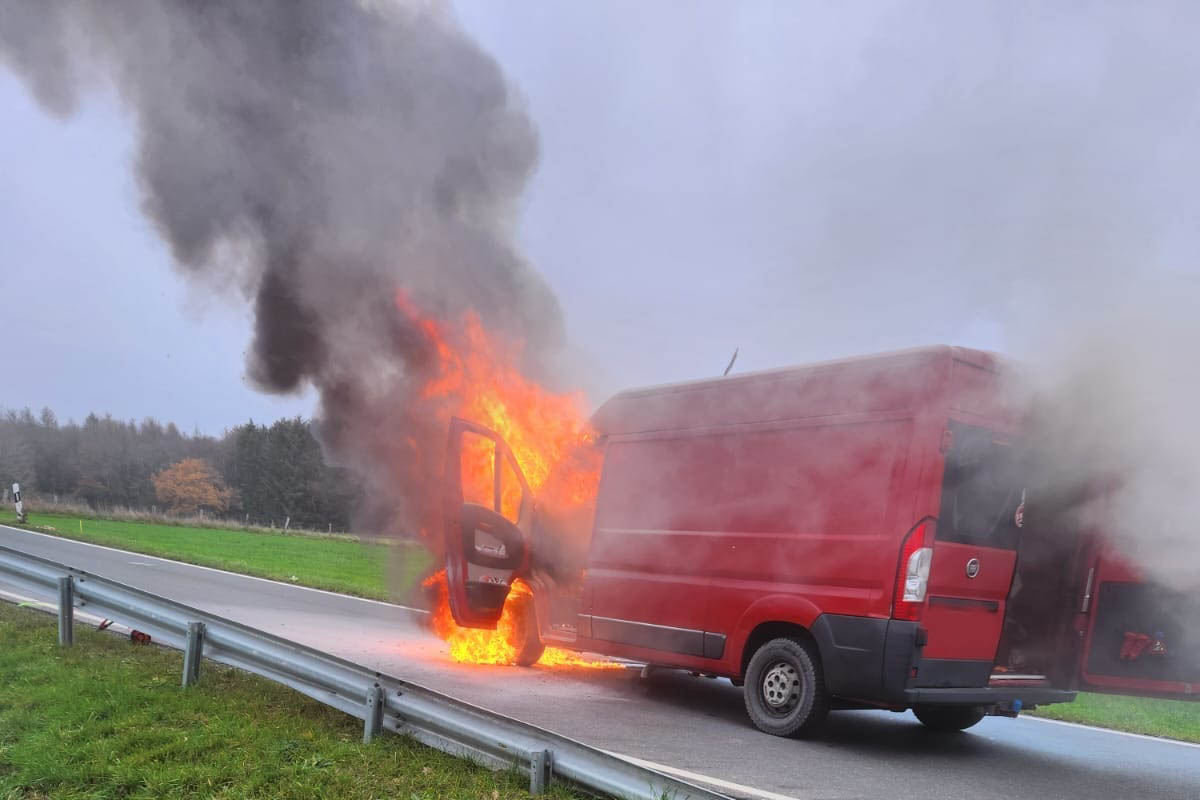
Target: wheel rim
point(781, 688)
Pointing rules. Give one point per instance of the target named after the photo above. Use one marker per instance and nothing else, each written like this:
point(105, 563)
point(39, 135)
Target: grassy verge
point(107, 719)
point(337, 564)
point(1172, 719)
point(75, 509)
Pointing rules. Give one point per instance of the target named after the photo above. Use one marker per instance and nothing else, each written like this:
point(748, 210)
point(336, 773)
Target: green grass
point(1172, 719)
point(108, 719)
point(380, 571)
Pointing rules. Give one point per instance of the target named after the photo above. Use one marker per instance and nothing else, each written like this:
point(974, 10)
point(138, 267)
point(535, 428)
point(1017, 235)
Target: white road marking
point(141, 563)
point(696, 777)
point(214, 569)
point(1113, 732)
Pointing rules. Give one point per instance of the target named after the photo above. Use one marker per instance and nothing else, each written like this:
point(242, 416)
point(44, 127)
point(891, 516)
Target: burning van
point(861, 533)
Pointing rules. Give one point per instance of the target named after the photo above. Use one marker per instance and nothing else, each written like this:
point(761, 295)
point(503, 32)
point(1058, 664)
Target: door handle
point(1087, 592)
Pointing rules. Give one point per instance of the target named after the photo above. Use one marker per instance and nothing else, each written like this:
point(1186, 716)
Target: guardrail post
point(541, 764)
point(66, 611)
point(192, 652)
point(373, 722)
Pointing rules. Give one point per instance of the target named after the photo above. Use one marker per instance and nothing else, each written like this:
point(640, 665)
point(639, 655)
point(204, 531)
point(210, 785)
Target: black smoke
point(315, 157)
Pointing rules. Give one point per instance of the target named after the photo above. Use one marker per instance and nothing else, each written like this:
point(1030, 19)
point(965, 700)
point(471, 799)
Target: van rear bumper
point(1000, 696)
point(878, 661)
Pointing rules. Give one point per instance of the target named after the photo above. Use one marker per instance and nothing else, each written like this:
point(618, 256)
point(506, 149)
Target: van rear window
point(981, 489)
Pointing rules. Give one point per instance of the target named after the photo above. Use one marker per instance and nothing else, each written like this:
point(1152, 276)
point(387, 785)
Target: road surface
point(696, 727)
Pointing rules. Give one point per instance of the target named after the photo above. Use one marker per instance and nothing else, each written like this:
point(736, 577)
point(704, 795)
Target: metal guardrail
point(382, 701)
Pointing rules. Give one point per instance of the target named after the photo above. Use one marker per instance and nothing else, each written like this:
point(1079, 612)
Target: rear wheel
point(949, 718)
point(785, 688)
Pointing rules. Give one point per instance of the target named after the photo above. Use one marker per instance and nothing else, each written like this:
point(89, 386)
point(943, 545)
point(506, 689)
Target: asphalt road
point(691, 725)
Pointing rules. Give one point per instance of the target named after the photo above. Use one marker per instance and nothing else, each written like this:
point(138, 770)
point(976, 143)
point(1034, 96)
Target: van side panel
point(835, 549)
point(646, 586)
point(694, 528)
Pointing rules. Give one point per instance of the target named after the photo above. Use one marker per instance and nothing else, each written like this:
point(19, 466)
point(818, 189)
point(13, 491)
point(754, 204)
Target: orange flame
point(478, 380)
point(501, 646)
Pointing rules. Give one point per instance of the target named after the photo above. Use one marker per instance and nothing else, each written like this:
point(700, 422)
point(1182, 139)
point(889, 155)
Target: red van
point(851, 534)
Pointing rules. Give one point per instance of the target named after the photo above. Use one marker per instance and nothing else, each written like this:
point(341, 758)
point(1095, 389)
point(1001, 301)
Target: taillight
point(912, 579)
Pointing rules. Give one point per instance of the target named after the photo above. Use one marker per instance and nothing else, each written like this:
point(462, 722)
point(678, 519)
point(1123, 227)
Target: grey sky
point(802, 180)
point(96, 319)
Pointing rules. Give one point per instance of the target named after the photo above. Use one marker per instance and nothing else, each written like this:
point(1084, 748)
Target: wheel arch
point(769, 618)
point(774, 629)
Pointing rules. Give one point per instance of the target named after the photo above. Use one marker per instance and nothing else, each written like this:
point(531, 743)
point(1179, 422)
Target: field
point(108, 719)
point(339, 564)
point(344, 565)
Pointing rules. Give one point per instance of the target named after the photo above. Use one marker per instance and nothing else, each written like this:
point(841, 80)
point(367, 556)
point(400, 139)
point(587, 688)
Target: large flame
point(476, 378)
point(480, 382)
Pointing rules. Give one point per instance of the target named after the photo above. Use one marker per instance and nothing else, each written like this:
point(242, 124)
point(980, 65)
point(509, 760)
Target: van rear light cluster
point(912, 579)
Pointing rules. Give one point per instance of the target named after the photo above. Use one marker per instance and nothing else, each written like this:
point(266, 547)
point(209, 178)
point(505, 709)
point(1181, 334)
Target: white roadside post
point(17, 501)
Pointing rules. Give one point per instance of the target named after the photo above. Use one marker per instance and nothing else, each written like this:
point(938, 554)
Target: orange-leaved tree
point(191, 485)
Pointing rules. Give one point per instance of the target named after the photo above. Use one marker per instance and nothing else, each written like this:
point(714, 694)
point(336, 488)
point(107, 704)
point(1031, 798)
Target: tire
point(948, 718)
point(785, 688)
point(524, 636)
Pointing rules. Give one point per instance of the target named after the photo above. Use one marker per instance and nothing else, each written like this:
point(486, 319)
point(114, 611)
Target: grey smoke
point(1112, 401)
point(315, 157)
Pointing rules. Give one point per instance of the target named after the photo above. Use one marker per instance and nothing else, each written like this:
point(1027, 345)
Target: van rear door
point(973, 559)
point(488, 510)
point(1140, 638)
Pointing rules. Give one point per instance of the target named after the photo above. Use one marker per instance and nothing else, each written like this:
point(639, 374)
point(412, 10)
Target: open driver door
point(488, 523)
point(1140, 638)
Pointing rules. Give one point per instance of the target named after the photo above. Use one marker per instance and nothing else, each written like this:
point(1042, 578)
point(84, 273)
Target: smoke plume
point(1113, 419)
point(318, 157)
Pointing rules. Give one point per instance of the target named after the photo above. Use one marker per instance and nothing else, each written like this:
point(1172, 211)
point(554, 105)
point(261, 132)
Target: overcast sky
point(800, 180)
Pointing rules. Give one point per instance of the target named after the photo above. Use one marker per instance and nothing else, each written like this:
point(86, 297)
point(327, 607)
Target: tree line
point(262, 474)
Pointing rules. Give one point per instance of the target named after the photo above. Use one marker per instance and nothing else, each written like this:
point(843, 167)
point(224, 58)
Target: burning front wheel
point(785, 689)
point(948, 718)
point(523, 635)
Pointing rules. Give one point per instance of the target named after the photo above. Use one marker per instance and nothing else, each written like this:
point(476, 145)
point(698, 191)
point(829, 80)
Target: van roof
point(872, 383)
